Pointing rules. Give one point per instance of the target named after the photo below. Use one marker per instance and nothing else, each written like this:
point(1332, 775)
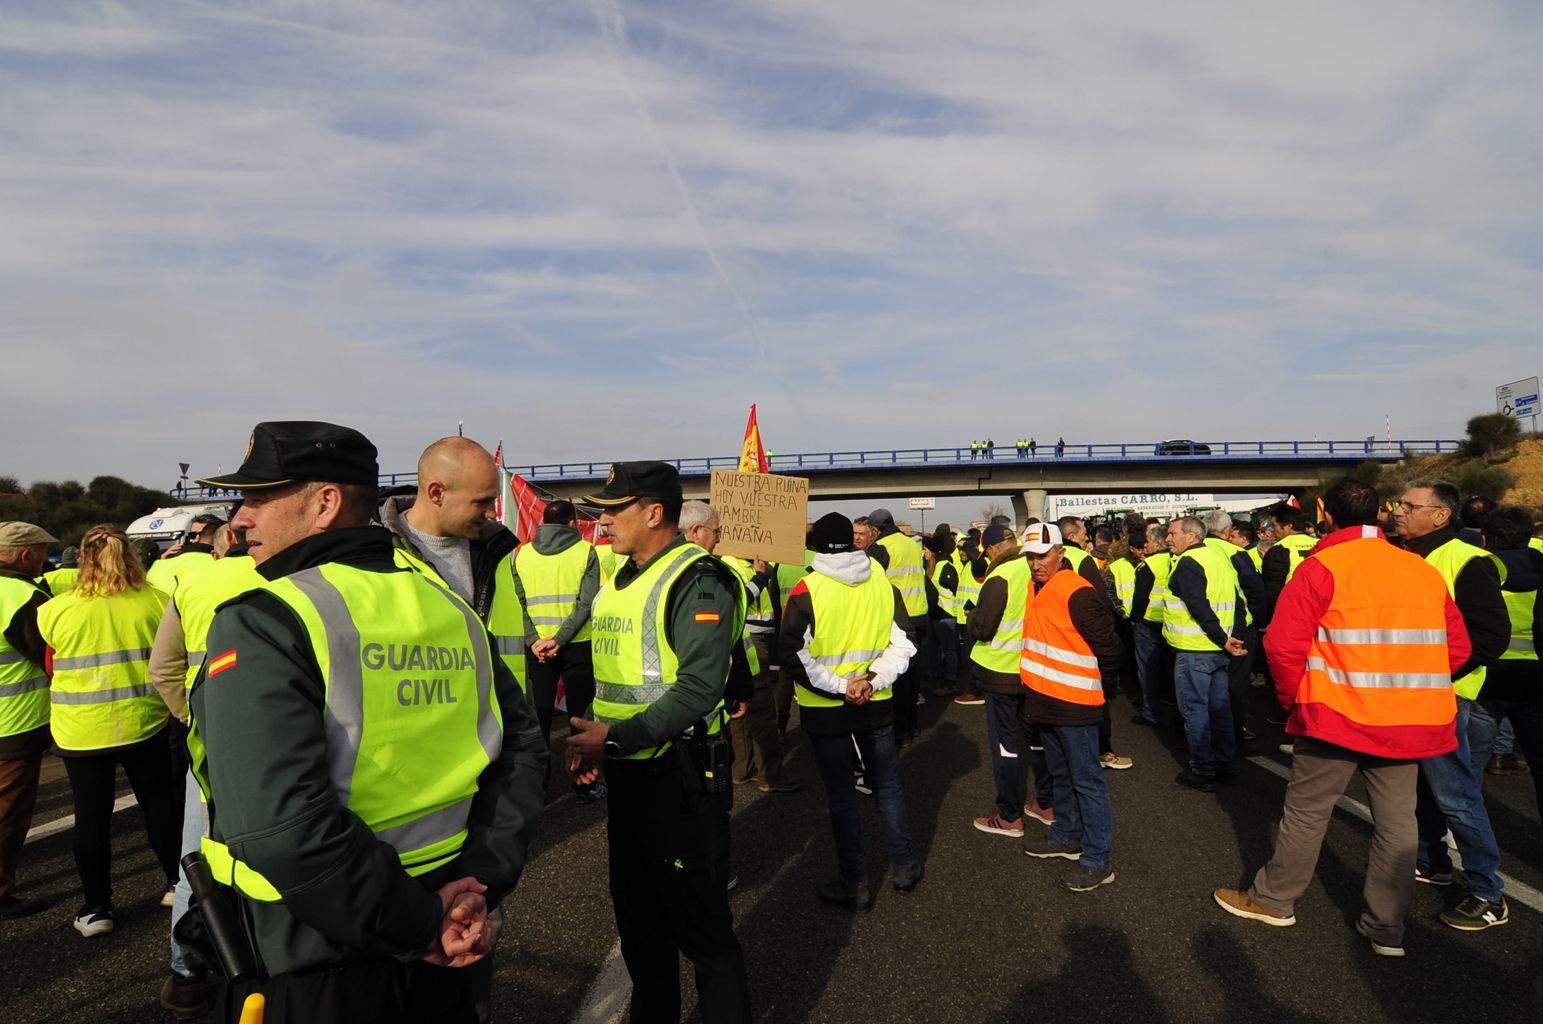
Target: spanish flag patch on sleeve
point(702, 617)
point(220, 664)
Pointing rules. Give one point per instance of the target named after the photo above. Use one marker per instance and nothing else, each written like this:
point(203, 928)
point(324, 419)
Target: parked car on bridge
point(1182, 447)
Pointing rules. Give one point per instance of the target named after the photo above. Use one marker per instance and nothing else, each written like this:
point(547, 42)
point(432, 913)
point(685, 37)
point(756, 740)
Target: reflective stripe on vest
point(1160, 565)
point(1001, 654)
point(906, 571)
point(101, 692)
point(634, 664)
point(1180, 629)
point(1124, 572)
point(551, 584)
point(1379, 656)
point(1522, 607)
point(853, 627)
point(1450, 559)
point(23, 683)
point(969, 587)
point(948, 600)
point(411, 719)
point(1056, 659)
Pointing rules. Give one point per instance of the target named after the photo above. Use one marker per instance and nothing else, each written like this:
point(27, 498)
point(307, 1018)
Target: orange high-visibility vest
point(1380, 655)
point(1056, 660)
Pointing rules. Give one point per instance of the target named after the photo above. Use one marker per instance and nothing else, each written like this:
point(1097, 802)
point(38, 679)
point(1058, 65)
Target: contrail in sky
point(613, 25)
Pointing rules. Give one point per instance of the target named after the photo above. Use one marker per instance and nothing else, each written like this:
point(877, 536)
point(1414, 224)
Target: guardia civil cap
point(300, 451)
point(630, 481)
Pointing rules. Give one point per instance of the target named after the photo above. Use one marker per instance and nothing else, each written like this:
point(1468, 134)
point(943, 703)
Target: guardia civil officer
point(374, 772)
point(661, 637)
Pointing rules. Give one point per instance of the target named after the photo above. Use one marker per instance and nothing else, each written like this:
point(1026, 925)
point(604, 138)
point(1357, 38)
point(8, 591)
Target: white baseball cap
point(1041, 537)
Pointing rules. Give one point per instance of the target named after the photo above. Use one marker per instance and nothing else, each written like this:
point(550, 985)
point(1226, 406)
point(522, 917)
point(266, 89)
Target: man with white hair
point(1200, 624)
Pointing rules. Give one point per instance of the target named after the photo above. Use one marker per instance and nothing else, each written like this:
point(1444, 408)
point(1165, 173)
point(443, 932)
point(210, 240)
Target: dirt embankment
point(1526, 466)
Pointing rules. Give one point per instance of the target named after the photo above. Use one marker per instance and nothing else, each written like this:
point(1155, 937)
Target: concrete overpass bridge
point(1218, 467)
point(1226, 467)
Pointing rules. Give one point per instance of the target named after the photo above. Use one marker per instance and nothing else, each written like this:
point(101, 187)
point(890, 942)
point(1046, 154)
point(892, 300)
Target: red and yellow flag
point(752, 455)
point(1320, 508)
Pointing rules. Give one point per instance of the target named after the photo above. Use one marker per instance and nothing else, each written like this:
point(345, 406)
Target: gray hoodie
point(552, 539)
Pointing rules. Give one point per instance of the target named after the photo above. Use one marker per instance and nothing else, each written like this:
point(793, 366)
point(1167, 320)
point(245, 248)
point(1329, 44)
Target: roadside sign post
point(1518, 399)
point(922, 505)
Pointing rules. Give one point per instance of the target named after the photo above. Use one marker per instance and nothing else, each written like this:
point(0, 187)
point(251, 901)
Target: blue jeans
point(183, 961)
point(1149, 667)
point(1450, 797)
point(1200, 680)
point(1489, 732)
point(881, 769)
point(1083, 814)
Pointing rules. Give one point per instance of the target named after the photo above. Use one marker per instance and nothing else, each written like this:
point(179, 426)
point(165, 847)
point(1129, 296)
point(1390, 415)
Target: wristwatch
point(614, 749)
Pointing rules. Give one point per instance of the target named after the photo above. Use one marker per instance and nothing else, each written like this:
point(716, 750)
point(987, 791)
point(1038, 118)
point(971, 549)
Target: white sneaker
point(169, 899)
point(94, 922)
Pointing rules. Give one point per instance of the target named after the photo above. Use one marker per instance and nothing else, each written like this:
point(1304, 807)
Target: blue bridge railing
point(1002, 455)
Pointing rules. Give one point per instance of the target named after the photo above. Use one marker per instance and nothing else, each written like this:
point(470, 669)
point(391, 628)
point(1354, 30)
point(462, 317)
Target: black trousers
point(1239, 672)
point(575, 668)
point(93, 780)
point(669, 891)
point(380, 991)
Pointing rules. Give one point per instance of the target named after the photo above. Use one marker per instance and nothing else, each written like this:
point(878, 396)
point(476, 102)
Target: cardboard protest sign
point(762, 515)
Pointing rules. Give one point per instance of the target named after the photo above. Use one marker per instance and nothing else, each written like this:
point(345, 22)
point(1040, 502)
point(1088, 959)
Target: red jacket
point(1297, 615)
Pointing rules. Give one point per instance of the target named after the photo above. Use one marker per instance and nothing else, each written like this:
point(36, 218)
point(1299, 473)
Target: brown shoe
point(1239, 904)
point(785, 786)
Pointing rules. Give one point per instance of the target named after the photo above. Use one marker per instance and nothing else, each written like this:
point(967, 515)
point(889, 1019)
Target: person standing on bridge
point(845, 640)
point(1069, 647)
point(1362, 648)
point(663, 635)
point(24, 736)
point(374, 772)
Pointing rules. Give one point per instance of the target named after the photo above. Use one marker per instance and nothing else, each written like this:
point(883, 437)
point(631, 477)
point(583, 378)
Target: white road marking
point(67, 822)
point(1516, 890)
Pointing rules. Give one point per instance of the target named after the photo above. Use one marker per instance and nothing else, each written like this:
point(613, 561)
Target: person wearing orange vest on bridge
point(1069, 646)
point(1362, 648)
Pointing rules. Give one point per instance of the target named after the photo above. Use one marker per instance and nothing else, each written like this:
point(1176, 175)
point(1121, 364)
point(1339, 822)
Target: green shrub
point(1490, 435)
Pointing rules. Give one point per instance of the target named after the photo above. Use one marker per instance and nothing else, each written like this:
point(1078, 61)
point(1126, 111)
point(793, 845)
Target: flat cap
point(23, 535)
point(299, 451)
point(630, 481)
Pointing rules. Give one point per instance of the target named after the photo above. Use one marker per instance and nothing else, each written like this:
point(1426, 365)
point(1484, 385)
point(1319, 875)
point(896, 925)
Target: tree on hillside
point(1491, 435)
point(67, 510)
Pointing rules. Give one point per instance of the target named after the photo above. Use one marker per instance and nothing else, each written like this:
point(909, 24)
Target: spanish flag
point(752, 455)
point(1320, 508)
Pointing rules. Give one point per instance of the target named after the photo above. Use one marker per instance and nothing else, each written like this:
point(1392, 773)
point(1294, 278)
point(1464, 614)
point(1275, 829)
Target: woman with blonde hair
point(106, 713)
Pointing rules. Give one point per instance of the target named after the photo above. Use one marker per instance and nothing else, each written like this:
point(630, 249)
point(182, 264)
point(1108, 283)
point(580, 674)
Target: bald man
point(450, 523)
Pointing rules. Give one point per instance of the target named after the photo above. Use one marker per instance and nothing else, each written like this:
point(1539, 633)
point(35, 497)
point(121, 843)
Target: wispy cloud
point(601, 231)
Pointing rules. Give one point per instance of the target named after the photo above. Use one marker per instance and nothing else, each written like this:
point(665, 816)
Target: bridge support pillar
point(1029, 503)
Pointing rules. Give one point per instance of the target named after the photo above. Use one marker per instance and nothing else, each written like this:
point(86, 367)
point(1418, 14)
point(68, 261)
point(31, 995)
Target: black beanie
point(832, 534)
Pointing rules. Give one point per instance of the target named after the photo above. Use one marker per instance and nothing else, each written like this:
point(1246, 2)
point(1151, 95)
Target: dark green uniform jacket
point(346, 896)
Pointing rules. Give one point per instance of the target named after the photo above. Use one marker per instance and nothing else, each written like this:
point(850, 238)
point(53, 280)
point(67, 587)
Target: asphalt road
point(987, 936)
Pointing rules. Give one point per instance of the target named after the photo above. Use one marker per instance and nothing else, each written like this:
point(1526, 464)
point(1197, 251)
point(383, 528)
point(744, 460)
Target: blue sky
point(602, 229)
